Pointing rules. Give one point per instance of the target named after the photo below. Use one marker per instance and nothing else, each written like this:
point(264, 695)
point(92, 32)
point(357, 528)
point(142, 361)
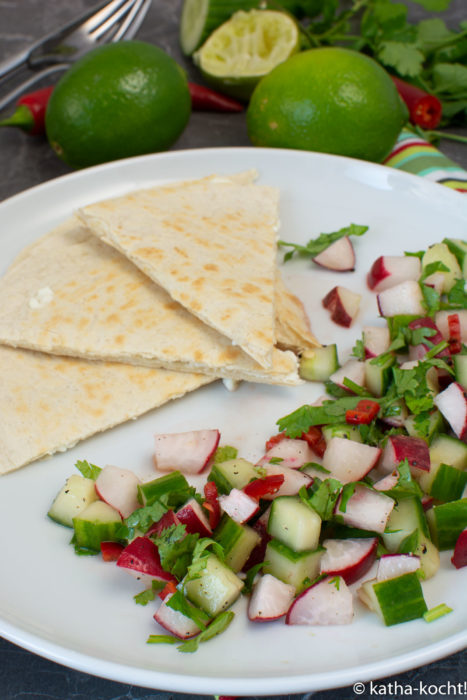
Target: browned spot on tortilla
point(211, 267)
point(199, 282)
point(119, 339)
point(113, 318)
point(181, 252)
point(250, 288)
point(150, 252)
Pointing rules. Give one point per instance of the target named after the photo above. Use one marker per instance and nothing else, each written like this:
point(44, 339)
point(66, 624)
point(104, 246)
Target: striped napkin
point(415, 155)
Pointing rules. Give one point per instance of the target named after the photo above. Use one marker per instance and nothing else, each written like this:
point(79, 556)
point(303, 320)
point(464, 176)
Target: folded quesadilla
point(211, 244)
point(50, 403)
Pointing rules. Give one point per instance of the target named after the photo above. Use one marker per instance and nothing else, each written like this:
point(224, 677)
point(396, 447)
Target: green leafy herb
point(436, 612)
point(251, 575)
point(180, 604)
point(222, 454)
point(90, 471)
point(201, 555)
point(347, 493)
point(335, 581)
point(431, 299)
point(405, 485)
point(323, 497)
point(355, 388)
point(331, 412)
point(149, 594)
point(141, 519)
point(217, 626)
point(276, 460)
point(161, 639)
point(457, 296)
point(324, 240)
point(358, 349)
point(176, 547)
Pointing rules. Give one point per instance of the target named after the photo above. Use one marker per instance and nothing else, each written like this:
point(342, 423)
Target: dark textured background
point(28, 161)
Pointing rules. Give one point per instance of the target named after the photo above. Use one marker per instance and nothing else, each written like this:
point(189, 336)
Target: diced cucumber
point(444, 449)
point(294, 523)
point(238, 541)
point(378, 376)
point(448, 483)
point(77, 493)
point(152, 491)
point(296, 568)
point(317, 364)
point(233, 473)
point(439, 252)
point(215, 589)
point(406, 517)
point(460, 369)
point(343, 430)
point(200, 17)
point(458, 248)
point(396, 600)
point(98, 523)
point(436, 425)
point(422, 547)
point(446, 522)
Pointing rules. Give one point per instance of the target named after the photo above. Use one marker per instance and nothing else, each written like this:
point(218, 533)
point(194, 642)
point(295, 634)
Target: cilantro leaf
point(358, 349)
point(176, 547)
point(406, 58)
point(405, 485)
point(88, 470)
point(201, 555)
point(161, 639)
point(457, 296)
point(222, 454)
point(323, 498)
point(251, 575)
point(217, 626)
point(324, 240)
point(141, 519)
point(180, 604)
point(149, 594)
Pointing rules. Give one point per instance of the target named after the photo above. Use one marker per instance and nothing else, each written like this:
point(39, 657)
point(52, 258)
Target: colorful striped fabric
point(415, 155)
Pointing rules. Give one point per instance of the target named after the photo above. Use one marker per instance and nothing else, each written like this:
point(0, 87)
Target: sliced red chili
point(211, 504)
point(365, 411)
point(315, 439)
point(455, 338)
point(111, 550)
point(168, 589)
point(274, 440)
point(261, 487)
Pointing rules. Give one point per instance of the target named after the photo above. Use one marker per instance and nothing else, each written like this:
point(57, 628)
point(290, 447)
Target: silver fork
point(54, 53)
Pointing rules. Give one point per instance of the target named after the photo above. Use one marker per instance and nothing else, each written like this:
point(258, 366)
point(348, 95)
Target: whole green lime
point(331, 100)
point(119, 100)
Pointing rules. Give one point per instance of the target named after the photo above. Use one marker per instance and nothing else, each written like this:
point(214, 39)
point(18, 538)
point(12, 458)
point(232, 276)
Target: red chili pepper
point(203, 99)
point(274, 440)
point(315, 439)
point(30, 113)
point(261, 487)
point(211, 504)
point(111, 550)
point(455, 338)
point(168, 589)
point(363, 414)
point(425, 110)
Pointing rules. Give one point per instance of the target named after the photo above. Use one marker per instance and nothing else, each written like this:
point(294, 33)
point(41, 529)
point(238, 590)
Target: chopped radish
point(376, 340)
point(459, 557)
point(119, 488)
point(386, 483)
point(293, 480)
point(238, 506)
point(258, 553)
point(350, 558)
point(366, 509)
point(403, 299)
point(168, 520)
point(343, 305)
point(353, 370)
point(441, 320)
point(400, 447)
point(393, 565)
point(390, 270)
point(192, 516)
point(452, 402)
point(188, 452)
point(175, 622)
point(436, 280)
point(398, 419)
point(141, 559)
point(348, 460)
point(111, 550)
point(339, 256)
point(417, 352)
point(271, 599)
point(292, 453)
point(328, 602)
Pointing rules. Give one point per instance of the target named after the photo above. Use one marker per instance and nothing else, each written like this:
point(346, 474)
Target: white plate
point(80, 612)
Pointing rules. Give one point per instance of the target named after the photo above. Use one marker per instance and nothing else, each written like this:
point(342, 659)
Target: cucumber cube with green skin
point(294, 523)
point(395, 600)
point(406, 517)
point(153, 490)
point(435, 426)
point(444, 449)
point(98, 523)
point(77, 493)
point(378, 376)
point(343, 430)
point(458, 248)
point(448, 483)
point(233, 473)
point(439, 252)
point(317, 364)
point(295, 568)
point(215, 589)
point(446, 522)
point(238, 541)
point(419, 545)
point(460, 370)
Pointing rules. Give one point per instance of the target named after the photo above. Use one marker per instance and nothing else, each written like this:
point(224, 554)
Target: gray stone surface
point(26, 162)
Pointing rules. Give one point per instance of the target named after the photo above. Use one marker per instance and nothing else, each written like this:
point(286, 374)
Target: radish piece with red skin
point(111, 550)
point(351, 558)
point(211, 504)
point(141, 559)
point(376, 340)
point(188, 452)
point(270, 600)
point(452, 403)
point(366, 509)
point(353, 370)
point(238, 506)
point(294, 480)
point(393, 565)
point(328, 602)
point(315, 438)
point(417, 352)
point(175, 622)
point(119, 489)
point(459, 557)
point(387, 482)
point(339, 256)
point(403, 299)
point(405, 447)
point(293, 453)
point(347, 460)
point(192, 516)
point(441, 320)
point(258, 553)
point(390, 270)
point(343, 304)
point(168, 520)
